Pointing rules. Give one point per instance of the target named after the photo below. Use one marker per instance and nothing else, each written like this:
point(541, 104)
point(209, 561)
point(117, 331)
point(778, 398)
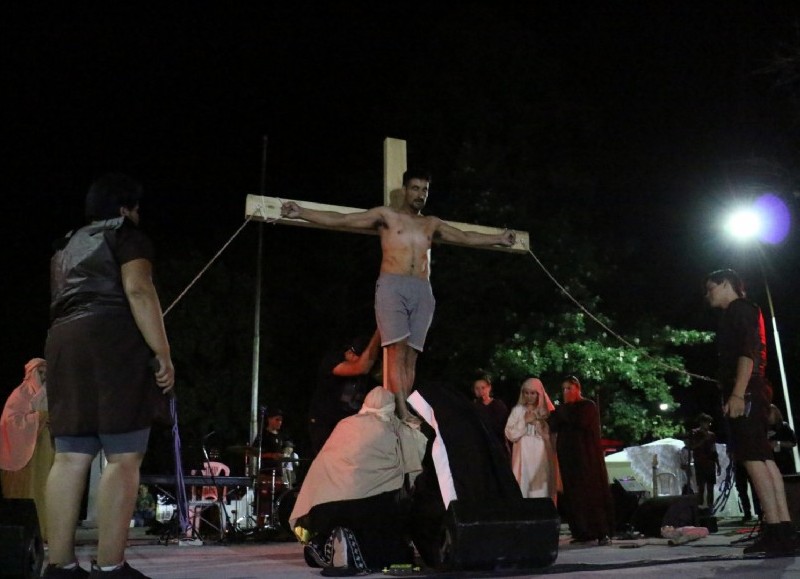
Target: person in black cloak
point(343, 381)
point(478, 464)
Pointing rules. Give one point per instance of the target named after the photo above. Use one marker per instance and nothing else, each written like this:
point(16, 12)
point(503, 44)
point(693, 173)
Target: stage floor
point(711, 556)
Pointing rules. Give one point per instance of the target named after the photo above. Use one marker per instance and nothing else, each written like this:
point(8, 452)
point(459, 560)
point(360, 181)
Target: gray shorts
point(135, 441)
point(403, 309)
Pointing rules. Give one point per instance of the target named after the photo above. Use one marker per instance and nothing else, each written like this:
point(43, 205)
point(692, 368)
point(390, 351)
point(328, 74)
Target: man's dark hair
point(729, 275)
point(416, 173)
point(703, 418)
point(481, 374)
point(572, 379)
point(110, 192)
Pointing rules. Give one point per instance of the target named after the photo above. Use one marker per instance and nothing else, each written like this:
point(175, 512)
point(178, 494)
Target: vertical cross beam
point(395, 163)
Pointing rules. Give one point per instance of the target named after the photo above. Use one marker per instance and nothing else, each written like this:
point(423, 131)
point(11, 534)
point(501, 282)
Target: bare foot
point(412, 421)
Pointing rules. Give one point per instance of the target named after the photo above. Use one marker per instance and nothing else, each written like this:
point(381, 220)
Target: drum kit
point(263, 511)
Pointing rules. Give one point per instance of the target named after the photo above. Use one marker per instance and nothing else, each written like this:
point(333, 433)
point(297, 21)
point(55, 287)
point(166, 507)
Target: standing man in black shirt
point(742, 349)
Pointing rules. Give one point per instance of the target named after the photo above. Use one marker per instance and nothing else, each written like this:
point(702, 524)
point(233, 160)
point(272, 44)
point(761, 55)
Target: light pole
point(779, 353)
point(752, 224)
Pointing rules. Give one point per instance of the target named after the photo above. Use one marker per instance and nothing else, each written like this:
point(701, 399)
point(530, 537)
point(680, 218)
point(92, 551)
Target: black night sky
point(666, 110)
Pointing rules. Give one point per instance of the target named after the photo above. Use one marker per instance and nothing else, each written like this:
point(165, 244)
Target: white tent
point(637, 462)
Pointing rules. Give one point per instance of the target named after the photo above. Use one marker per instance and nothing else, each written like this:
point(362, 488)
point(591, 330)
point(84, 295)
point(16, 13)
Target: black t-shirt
point(273, 442)
point(131, 243)
point(741, 334)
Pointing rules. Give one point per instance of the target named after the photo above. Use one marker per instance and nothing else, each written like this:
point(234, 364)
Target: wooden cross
point(263, 208)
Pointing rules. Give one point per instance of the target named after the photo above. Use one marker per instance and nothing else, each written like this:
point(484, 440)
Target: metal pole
point(257, 311)
point(779, 353)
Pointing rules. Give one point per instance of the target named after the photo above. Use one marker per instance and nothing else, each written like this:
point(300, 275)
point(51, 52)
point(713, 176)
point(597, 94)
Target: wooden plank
point(269, 209)
point(394, 165)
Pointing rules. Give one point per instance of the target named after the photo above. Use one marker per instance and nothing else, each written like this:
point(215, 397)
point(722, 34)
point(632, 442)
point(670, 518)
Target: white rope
point(609, 330)
point(213, 259)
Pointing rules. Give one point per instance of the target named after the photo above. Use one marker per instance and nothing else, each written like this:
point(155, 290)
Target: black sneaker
point(56, 572)
point(758, 546)
point(771, 543)
point(124, 572)
point(313, 557)
point(604, 541)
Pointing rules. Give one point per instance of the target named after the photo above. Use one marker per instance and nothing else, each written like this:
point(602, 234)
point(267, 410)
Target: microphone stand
point(262, 414)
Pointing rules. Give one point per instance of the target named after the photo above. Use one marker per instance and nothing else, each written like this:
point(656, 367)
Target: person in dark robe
point(343, 381)
point(463, 461)
point(588, 504)
point(493, 410)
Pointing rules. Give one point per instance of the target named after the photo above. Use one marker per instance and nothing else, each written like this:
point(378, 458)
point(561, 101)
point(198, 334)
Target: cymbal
point(242, 449)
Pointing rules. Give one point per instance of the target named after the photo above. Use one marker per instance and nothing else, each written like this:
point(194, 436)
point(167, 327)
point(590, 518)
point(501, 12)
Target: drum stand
point(272, 516)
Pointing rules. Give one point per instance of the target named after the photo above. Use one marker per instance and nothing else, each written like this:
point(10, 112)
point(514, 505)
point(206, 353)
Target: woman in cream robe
point(533, 458)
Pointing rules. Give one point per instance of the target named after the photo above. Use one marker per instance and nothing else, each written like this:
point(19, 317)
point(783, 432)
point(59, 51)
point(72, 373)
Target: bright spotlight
point(663, 406)
point(744, 224)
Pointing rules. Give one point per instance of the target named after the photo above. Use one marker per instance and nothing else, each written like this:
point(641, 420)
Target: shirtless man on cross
point(404, 301)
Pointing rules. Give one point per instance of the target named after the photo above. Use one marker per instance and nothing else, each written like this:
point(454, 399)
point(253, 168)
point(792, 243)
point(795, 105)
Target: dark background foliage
point(616, 135)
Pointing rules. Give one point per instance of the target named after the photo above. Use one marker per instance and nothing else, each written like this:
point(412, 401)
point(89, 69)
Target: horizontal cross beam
point(263, 208)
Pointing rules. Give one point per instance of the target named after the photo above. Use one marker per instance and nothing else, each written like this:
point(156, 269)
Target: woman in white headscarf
point(533, 458)
point(26, 453)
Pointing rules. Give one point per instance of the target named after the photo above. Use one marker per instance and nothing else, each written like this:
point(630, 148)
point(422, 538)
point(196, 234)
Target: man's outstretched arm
point(454, 235)
point(360, 220)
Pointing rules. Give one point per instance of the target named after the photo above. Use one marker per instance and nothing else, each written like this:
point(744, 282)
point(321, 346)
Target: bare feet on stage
point(412, 421)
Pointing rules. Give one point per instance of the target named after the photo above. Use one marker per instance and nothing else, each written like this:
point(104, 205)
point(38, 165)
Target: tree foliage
point(629, 382)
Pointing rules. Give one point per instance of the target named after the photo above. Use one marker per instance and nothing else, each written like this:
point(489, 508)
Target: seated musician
point(272, 442)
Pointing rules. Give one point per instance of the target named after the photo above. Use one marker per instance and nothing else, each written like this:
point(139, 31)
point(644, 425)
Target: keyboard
point(197, 480)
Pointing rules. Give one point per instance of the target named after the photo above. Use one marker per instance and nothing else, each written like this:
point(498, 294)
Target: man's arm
point(734, 406)
point(365, 361)
point(454, 235)
point(360, 220)
point(137, 283)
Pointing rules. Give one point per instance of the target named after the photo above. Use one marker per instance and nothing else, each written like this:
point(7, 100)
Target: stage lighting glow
point(744, 224)
point(663, 406)
point(775, 218)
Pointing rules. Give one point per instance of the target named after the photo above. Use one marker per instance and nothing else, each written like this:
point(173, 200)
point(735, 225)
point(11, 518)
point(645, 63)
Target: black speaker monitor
point(628, 494)
point(21, 546)
point(674, 511)
point(508, 534)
